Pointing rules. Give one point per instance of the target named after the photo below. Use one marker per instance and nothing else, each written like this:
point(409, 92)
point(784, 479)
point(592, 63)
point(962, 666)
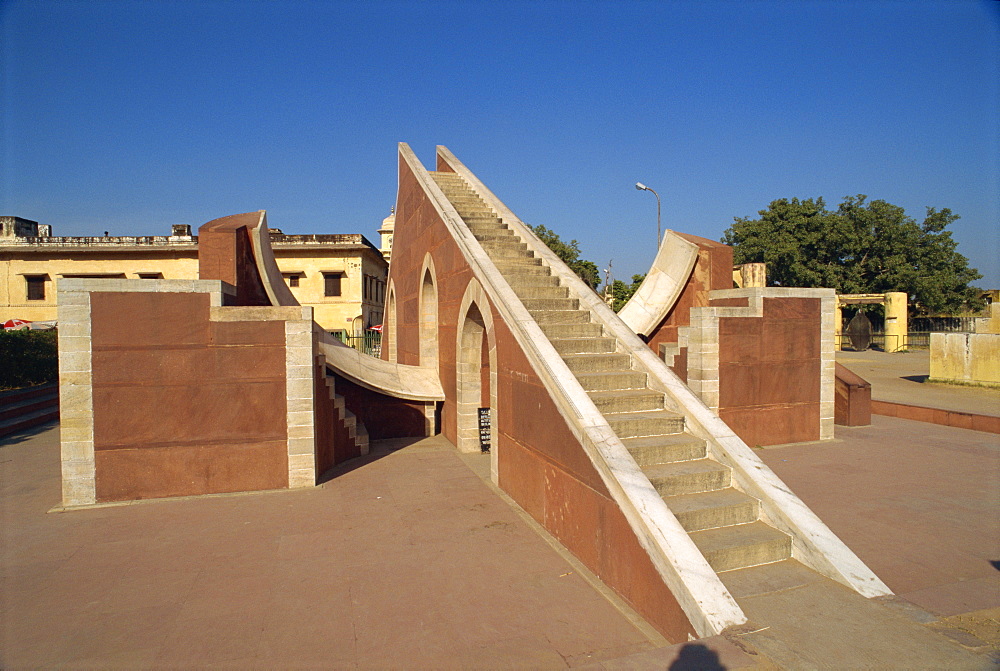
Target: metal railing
point(369, 342)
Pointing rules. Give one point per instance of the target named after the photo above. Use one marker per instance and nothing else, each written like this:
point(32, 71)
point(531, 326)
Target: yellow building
point(342, 277)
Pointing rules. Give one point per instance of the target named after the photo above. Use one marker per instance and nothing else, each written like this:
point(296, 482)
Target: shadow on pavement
point(26, 434)
point(696, 657)
point(379, 449)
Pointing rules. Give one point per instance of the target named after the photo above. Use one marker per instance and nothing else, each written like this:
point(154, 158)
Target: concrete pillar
point(896, 328)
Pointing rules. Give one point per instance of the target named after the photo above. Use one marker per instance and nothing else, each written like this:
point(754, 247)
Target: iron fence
point(369, 342)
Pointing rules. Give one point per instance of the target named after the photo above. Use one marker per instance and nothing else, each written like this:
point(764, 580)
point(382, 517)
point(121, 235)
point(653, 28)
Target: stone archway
point(389, 327)
point(428, 314)
point(475, 372)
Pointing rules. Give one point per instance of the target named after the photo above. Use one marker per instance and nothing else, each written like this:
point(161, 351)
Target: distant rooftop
point(15, 231)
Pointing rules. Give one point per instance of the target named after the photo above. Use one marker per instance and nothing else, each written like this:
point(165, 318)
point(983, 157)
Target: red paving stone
point(408, 560)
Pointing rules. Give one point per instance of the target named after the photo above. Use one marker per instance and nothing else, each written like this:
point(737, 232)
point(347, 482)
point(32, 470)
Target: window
point(150, 276)
point(36, 287)
point(331, 284)
point(293, 279)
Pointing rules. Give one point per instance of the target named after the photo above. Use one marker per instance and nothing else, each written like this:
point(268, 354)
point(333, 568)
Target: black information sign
point(484, 429)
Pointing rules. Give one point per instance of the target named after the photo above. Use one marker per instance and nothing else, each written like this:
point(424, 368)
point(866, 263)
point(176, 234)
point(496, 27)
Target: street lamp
point(642, 187)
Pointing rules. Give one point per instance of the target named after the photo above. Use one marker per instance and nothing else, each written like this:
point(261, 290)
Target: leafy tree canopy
point(622, 292)
point(569, 252)
point(862, 247)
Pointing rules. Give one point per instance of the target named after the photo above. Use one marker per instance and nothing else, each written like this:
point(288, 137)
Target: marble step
point(686, 477)
point(742, 545)
point(646, 423)
point(710, 510)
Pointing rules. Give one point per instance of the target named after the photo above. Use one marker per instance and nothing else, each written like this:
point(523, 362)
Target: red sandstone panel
point(247, 333)
point(572, 512)
point(226, 253)
point(986, 423)
point(714, 264)
point(625, 564)
point(741, 302)
point(185, 470)
point(793, 381)
point(324, 417)
point(793, 308)
point(198, 413)
point(790, 340)
point(522, 473)
point(739, 385)
point(128, 319)
point(214, 407)
point(680, 364)
point(184, 367)
point(774, 424)
point(740, 345)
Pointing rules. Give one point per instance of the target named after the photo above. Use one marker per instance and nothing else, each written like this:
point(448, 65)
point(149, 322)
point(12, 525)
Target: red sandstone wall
point(769, 372)
point(183, 405)
point(541, 464)
point(713, 270)
point(226, 253)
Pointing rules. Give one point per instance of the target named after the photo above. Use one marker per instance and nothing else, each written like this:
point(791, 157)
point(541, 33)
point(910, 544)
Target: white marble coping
point(706, 602)
point(659, 291)
point(216, 288)
point(387, 377)
point(274, 284)
point(414, 383)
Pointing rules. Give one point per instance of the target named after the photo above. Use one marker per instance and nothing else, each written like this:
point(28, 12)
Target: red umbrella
point(15, 324)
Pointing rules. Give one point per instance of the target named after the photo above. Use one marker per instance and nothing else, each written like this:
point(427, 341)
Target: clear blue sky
point(130, 116)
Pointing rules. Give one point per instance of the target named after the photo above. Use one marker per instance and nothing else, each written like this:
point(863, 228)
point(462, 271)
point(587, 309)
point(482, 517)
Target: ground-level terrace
point(410, 558)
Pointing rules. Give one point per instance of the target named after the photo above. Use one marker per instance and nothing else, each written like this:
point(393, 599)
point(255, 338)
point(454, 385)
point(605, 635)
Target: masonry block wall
point(770, 371)
point(216, 391)
point(766, 370)
point(539, 461)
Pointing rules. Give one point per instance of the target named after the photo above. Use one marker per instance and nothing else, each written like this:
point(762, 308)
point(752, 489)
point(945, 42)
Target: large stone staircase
point(723, 522)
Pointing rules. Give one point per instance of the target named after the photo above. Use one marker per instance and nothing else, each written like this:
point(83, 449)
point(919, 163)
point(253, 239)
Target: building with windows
point(341, 276)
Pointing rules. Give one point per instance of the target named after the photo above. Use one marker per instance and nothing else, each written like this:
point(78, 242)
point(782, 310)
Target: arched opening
point(428, 325)
point(476, 373)
point(473, 369)
point(389, 327)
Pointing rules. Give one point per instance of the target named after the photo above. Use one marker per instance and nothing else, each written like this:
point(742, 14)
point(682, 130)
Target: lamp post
point(642, 187)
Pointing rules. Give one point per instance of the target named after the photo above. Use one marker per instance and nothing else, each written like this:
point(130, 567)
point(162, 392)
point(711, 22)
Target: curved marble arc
point(415, 383)
point(662, 287)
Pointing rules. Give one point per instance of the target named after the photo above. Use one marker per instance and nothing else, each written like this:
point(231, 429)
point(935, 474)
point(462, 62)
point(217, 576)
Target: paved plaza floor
point(900, 378)
point(409, 559)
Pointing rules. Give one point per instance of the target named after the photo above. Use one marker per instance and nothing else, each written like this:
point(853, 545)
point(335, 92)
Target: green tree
point(862, 247)
point(622, 292)
point(569, 252)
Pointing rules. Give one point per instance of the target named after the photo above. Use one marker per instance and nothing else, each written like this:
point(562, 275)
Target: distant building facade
point(388, 227)
point(341, 276)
